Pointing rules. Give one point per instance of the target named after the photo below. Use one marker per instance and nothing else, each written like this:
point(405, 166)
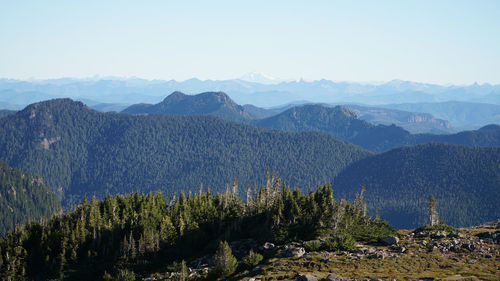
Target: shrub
point(347, 243)
point(125, 275)
point(252, 260)
point(372, 231)
point(344, 242)
point(331, 244)
point(441, 226)
point(312, 246)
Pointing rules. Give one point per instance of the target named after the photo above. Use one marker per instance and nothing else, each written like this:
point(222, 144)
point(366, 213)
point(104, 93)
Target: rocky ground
point(470, 254)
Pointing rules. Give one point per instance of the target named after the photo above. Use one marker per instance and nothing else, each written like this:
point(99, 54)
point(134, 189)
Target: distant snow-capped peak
point(259, 77)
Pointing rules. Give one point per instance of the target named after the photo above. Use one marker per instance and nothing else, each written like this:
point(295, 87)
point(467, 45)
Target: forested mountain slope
point(343, 122)
point(487, 136)
point(214, 103)
point(338, 121)
point(23, 197)
point(465, 182)
point(80, 151)
point(5, 112)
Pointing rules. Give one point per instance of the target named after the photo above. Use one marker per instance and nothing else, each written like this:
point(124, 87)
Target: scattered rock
point(492, 237)
point(438, 235)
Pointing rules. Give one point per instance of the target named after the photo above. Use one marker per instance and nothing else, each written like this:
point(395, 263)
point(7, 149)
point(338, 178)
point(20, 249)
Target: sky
point(438, 41)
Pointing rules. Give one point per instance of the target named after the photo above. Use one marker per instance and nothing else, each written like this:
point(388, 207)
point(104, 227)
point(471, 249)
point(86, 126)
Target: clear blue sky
point(428, 41)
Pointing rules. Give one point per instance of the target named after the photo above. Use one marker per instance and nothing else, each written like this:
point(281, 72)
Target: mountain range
point(340, 121)
point(115, 94)
point(81, 152)
point(135, 90)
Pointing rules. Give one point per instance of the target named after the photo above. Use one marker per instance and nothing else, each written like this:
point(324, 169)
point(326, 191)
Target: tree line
point(143, 232)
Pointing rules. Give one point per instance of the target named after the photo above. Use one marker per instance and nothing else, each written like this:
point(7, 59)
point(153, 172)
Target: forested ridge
point(464, 180)
point(339, 121)
point(343, 122)
point(144, 233)
point(23, 197)
point(79, 151)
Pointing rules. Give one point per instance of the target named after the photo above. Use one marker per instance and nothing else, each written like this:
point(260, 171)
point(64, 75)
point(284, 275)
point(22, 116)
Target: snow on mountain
point(262, 78)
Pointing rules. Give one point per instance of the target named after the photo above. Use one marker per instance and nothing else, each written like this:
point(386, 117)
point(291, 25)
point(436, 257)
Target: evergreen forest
point(79, 151)
point(23, 197)
point(141, 233)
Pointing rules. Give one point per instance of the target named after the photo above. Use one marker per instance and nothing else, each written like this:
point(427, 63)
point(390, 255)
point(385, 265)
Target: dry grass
point(416, 265)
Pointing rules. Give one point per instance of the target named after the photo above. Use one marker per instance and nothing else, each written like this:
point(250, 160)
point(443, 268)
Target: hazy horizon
point(444, 42)
point(279, 80)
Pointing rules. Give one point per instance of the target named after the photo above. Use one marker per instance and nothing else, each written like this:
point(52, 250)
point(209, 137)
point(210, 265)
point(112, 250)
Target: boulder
point(307, 277)
point(268, 246)
point(294, 252)
point(377, 255)
point(389, 240)
point(469, 246)
point(401, 249)
point(356, 251)
point(333, 277)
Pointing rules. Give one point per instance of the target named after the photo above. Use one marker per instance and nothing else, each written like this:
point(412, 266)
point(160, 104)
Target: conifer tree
point(235, 188)
point(168, 233)
point(249, 201)
point(433, 214)
point(225, 262)
point(132, 247)
point(183, 271)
